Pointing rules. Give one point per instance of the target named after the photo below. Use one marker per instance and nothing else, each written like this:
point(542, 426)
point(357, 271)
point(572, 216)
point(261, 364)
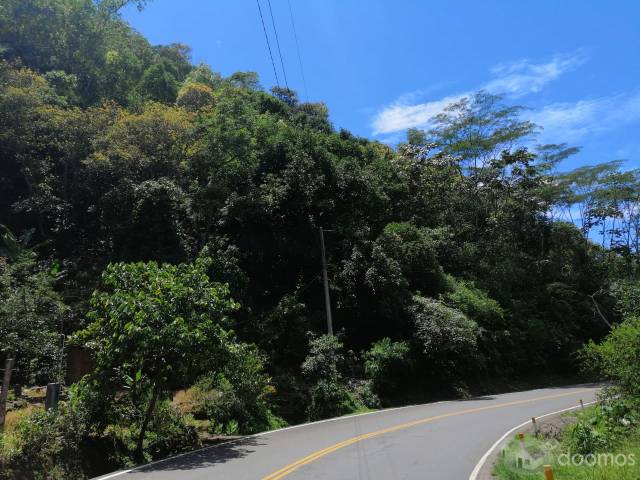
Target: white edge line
point(485, 457)
point(344, 417)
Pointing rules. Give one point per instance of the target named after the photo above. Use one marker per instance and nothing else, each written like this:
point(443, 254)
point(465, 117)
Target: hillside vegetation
point(166, 219)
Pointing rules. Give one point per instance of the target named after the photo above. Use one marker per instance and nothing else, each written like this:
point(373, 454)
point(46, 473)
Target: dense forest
point(166, 219)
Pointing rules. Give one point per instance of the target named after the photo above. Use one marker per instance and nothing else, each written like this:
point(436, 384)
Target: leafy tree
point(155, 327)
point(329, 396)
point(462, 242)
point(445, 335)
point(159, 83)
point(195, 96)
point(477, 128)
point(32, 313)
point(617, 357)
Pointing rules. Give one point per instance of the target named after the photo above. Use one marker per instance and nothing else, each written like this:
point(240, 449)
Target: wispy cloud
point(573, 121)
point(514, 79)
point(400, 116)
point(524, 77)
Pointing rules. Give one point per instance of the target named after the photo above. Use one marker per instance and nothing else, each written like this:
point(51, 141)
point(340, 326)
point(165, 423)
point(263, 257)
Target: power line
point(295, 35)
point(275, 30)
point(266, 36)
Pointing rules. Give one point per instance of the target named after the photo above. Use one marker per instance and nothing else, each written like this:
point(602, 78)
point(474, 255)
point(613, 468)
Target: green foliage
point(474, 303)
point(195, 96)
point(386, 364)
point(328, 392)
point(48, 445)
point(168, 434)
point(31, 314)
point(583, 439)
point(618, 356)
point(578, 443)
point(236, 398)
point(79, 38)
point(158, 83)
point(458, 244)
point(446, 336)
point(154, 328)
point(412, 251)
point(627, 295)
point(478, 127)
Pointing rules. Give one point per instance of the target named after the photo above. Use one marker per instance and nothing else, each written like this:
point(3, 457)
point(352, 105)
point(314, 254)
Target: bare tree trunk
point(595, 304)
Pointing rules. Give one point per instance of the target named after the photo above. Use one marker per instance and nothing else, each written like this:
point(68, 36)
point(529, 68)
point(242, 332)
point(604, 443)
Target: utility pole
point(327, 299)
point(8, 368)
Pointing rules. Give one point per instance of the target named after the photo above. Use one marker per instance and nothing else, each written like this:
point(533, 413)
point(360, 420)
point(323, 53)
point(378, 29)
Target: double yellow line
point(284, 471)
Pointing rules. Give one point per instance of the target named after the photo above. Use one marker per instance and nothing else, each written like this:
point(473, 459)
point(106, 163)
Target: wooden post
point(6, 381)
point(548, 472)
point(582, 404)
point(535, 426)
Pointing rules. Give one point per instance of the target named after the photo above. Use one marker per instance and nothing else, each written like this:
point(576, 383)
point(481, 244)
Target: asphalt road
point(439, 441)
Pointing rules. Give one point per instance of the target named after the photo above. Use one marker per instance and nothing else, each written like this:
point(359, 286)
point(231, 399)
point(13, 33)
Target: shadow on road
point(207, 457)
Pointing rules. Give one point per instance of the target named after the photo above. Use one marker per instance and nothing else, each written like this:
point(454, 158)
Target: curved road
point(439, 441)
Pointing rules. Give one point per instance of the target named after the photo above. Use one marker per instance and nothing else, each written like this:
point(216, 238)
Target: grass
point(14, 416)
point(360, 410)
point(605, 470)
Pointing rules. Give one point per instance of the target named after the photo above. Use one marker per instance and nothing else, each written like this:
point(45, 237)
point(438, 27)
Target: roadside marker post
point(535, 426)
point(582, 404)
point(53, 395)
point(548, 472)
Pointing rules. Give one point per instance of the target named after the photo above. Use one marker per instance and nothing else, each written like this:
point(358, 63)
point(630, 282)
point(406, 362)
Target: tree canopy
point(149, 192)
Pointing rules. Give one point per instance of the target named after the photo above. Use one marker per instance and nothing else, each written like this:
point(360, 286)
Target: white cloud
point(524, 77)
point(399, 116)
point(573, 121)
point(514, 79)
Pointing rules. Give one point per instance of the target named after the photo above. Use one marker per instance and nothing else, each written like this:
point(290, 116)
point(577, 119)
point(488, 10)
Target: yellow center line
point(288, 469)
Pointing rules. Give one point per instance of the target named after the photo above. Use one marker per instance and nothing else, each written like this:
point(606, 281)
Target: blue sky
point(385, 66)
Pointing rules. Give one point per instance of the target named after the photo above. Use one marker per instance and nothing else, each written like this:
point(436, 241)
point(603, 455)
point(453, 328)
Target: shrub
point(328, 393)
point(474, 303)
point(236, 399)
point(618, 357)
point(48, 445)
point(385, 364)
point(169, 434)
point(582, 438)
point(363, 394)
point(443, 332)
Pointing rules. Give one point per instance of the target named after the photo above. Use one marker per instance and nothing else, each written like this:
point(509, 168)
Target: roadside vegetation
point(164, 219)
point(604, 441)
